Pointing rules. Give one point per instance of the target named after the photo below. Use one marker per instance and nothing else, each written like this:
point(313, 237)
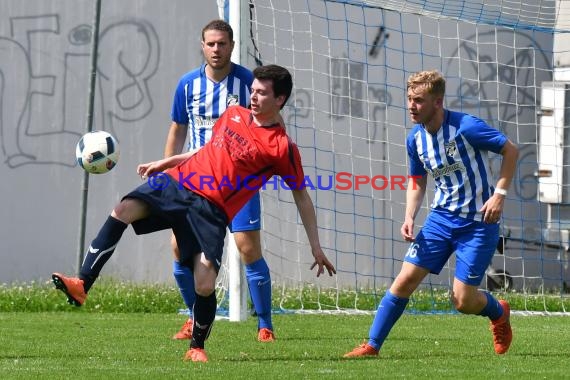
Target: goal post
point(232, 10)
point(350, 61)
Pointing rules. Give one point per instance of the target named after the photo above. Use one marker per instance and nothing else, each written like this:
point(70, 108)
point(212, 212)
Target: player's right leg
point(185, 281)
point(428, 253)
point(259, 281)
point(100, 250)
point(204, 307)
point(246, 227)
point(390, 309)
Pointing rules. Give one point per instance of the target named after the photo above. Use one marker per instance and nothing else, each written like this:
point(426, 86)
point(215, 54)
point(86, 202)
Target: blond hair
point(431, 81)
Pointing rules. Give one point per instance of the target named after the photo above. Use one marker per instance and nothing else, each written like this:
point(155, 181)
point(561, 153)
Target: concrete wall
point(145, 46)
point(348, 110)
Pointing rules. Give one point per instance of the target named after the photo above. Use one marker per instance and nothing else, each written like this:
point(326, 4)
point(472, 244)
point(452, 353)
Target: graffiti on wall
point(44, 83)
point(514, 81)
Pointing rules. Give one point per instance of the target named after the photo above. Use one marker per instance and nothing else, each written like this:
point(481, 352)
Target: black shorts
point(198, 224)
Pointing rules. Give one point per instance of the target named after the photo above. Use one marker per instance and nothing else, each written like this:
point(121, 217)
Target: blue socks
point(100, 250)
point(493, 309)
point(259, 281)
point(389, 311)
point(391, 308)
point(185, 280)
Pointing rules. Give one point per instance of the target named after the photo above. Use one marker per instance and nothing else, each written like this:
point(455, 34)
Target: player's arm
point(145, 170)
point(510, 155)
point(414, 198)
point(493, 208)
point(309, 218)
point(175, 139)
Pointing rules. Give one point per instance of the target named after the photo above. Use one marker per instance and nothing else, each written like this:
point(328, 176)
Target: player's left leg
point(202, 228)
point(474, 251)
point(469, 300)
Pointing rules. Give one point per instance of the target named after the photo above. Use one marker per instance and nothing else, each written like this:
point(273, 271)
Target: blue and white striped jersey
point(199, 102)
point(457, 158)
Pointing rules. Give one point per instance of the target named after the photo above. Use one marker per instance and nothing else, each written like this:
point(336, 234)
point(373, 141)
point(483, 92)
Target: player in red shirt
point(260, 151)
point(198, 192)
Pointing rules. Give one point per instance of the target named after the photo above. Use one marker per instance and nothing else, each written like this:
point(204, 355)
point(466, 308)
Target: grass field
point(88, 345)
point(123, 332)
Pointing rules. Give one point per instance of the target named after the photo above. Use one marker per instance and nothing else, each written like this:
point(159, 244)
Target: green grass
point(124, 330)
point(87, 345)
point(110, 295)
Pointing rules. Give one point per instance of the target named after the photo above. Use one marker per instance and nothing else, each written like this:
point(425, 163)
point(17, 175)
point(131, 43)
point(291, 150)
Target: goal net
point(504, 61)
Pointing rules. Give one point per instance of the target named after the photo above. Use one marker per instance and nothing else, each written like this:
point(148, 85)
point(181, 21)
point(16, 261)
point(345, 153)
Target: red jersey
point(239, 158)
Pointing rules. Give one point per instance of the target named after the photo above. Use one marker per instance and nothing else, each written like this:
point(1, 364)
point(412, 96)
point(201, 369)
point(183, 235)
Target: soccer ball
point(97, 152)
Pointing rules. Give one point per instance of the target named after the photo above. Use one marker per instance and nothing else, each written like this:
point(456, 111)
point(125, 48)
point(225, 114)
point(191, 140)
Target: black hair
point(281, 78)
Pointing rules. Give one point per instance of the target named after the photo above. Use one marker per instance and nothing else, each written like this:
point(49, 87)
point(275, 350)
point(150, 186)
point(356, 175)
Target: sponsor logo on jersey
point(233, 100)
point(450, 148)
point(204, 121)
point(447, 169)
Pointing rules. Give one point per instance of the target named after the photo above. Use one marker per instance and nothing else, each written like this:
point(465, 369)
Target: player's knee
point(204, 279)
point(403, 286)
point(461, 307)
point(250, 255)
point(130, 210)
point(120, 211)
point(204, 288)
point(456, 302)
point(462, 303)
point(248, 246)
point(466, 298)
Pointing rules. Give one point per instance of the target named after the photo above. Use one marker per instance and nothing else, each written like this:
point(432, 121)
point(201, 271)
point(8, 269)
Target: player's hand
point(407, 230)
point(321, 262)
point(145, 170)
point(493, 208)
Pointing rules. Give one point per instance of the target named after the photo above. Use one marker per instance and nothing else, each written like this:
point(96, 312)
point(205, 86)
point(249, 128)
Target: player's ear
point(439, 101)
point(280, 100)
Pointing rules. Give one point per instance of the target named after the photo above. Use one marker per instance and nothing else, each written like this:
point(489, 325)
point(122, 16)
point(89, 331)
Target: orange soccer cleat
point(363, 350)
point(501, 329)
point(265, 335)
point(186, 330)
point(72, 287)
point(196, 355)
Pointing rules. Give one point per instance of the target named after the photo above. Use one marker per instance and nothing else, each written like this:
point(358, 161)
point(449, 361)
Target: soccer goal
point(507, 62)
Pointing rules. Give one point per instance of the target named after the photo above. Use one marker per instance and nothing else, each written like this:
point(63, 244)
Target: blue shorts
point(249, 217)
point(473, 242)
point(198, 224)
